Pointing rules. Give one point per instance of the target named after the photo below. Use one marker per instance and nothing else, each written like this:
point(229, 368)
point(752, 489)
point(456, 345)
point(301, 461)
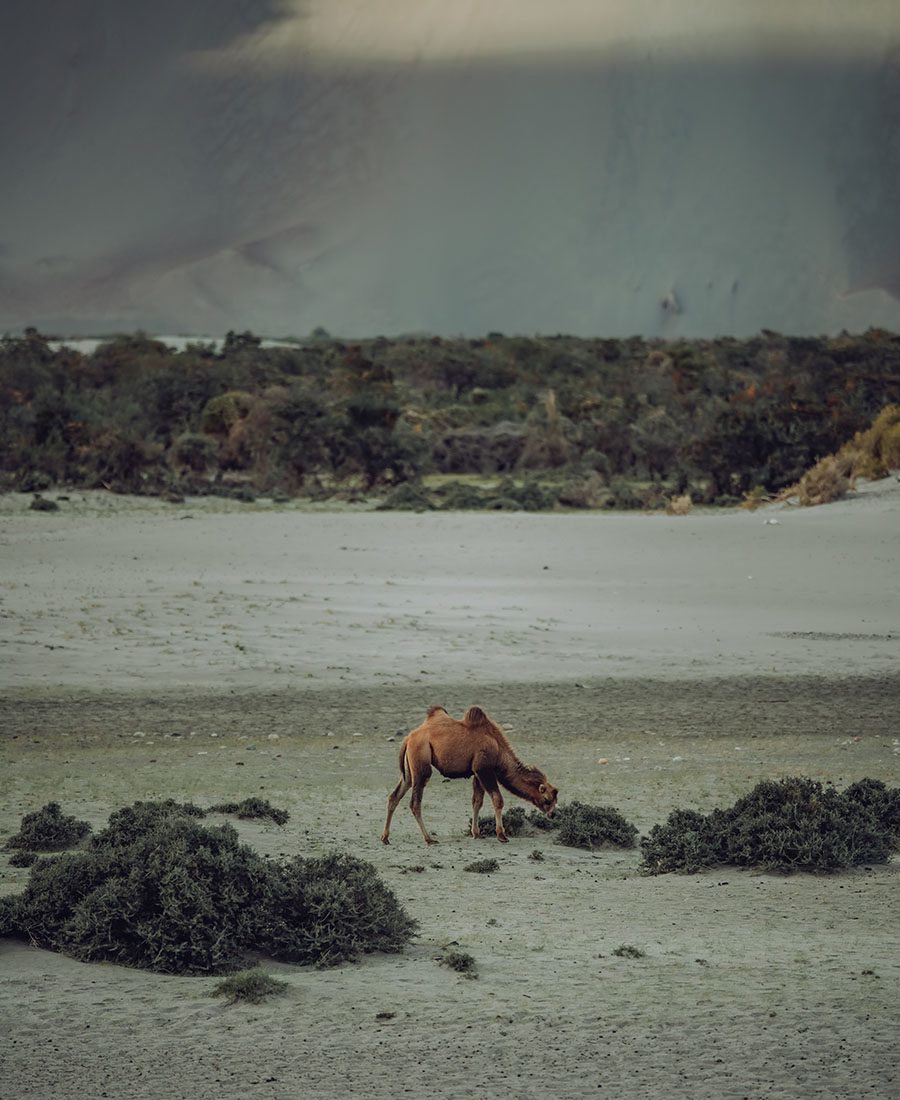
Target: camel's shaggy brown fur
point(475, 747)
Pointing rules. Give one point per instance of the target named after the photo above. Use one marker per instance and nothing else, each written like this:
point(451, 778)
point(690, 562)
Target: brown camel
point(475, 747)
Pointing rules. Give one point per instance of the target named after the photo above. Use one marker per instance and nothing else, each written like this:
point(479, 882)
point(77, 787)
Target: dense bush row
point(714, 418)
point(159, 890)
point(791, 825)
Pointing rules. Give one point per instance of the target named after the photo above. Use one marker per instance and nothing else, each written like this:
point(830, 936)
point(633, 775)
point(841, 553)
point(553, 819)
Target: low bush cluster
point(158, 890)
point(249, 986)
point(792, 824)
point(574, 824)
point(48, 830)
point(460, 961)
point(250, 808)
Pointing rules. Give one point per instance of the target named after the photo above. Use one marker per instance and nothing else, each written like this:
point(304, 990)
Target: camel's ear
point(474, 716)
point(543, 788)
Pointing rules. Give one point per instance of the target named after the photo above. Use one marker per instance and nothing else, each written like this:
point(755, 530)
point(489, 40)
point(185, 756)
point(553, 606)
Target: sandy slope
point(751, 985)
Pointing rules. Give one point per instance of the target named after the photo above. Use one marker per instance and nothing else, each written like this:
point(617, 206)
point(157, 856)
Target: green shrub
point(329, 910)
point(251, 808)
point(515, 823)
point(793, 824)
point(582, 826)
point(10, 925)
point(250, 986)
point(622, 494)
point(882, 801)
point(575, 824)
point(629, 951)
point(483, 866)
point(407, 497)
point(686, 842)
point(158, 890)
point(23, 858)
point(49, 830)
point(460, 961)
point(460, 497)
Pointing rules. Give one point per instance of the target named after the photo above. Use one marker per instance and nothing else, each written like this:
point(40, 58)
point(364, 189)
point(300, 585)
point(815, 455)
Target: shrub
point(251, 986)
point(329, 910)
point(158, 890)
point(460, 961)
point(483, 866)
point(871, 453)
point(23, 858)
point(629, 951)
point(828, 480)
point(622, 494)
point(460, 497)
point(680, 505)
point(881, 800)
point(793, 824)
point(515, 822)
point(192, 451)
point(582, 826)
point(408, 497)
point(10, 924)
point(49, 830)
point(251, 808)
point(684, 843)
point(575, 824)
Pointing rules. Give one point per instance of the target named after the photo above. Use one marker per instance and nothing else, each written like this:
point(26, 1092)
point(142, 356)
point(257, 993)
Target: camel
point(475, 747)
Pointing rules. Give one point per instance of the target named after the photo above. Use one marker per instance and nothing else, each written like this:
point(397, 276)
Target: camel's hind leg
point(477, 802)
point(394, 800)
point(421, 775)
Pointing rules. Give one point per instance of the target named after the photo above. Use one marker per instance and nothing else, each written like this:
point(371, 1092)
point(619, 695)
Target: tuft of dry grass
point(679, 506)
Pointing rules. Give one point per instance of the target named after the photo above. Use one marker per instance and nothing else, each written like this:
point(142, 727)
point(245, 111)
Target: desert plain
point(210, 650)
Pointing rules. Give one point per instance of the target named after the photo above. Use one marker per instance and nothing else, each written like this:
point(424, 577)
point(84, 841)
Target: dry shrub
point(754, 498)
point(679, 506)
point(872, 453)
point(877, 449)
point(828, 480)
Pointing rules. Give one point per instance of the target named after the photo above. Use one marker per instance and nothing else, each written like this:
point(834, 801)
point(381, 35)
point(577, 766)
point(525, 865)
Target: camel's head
point(542, 792)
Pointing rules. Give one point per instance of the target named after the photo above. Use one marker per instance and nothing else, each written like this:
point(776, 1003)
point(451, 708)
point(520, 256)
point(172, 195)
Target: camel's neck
point(514, 776)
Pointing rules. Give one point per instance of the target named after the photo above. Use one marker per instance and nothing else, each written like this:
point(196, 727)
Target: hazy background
point(677, 168)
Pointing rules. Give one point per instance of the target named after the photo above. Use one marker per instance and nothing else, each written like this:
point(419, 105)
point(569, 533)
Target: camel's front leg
point(477, 802)
point(487, 780)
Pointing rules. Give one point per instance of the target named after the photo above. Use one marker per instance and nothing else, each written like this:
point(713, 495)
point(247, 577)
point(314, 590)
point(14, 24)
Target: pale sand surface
point(130, 594)
point(643, 644)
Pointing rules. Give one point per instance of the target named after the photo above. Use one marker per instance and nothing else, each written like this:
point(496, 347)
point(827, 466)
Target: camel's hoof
point(475, 836)
point(503, 838)
point(430, 840)
point(385, 840)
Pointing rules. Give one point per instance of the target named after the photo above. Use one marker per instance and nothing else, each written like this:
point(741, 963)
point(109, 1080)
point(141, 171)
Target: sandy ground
point(145, 654)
